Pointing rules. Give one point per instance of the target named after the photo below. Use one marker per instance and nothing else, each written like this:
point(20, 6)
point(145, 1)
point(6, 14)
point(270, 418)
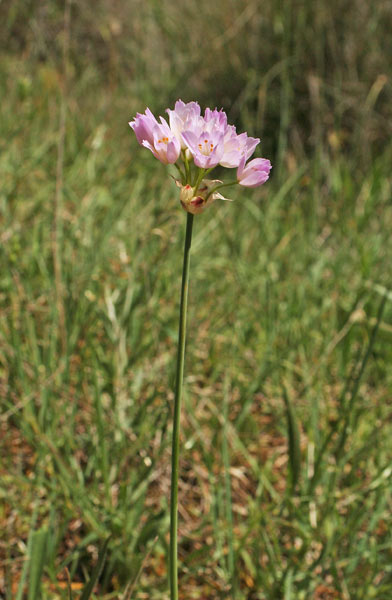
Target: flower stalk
point(195, 145)
point(173, 567)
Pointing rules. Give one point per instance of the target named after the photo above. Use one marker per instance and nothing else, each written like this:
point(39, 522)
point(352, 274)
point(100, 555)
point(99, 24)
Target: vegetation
point(285, 487)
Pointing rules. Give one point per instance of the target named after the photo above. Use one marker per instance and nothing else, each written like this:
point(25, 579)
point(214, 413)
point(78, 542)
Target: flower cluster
point(196, 144)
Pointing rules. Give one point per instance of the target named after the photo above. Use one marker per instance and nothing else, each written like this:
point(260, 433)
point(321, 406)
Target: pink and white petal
point(173, 150)
point(150, 115)
point(255, 173)
point(241, 165)
point(190, 109)
point(147, 144)
point(252, 180)
point(175, 124)
point(163, 122)
point(261, 164)
point(250, 146)
point(179, 106)
point(190, 139)
point(201, 160)
point(217, 153)
point(231, 159)
point(143, 126)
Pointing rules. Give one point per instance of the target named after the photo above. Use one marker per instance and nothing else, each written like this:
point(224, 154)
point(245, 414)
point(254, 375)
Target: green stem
point(198, 180)
point(173, 569)
point(183, 176)
point(187, 169)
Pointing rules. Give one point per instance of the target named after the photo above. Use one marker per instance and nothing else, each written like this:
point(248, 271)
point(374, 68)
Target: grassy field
point(286, 489)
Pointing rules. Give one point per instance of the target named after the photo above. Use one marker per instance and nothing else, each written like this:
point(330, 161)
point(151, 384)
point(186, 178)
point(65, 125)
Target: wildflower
point(143, 126)
point(157, 137)
point(215, 120)
point(184, 117)
point(196, 144)
point(255, 173)
point(199, 144)
point(235, 146)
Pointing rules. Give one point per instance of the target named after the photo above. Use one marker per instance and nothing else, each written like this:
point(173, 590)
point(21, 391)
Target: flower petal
point(255, 173)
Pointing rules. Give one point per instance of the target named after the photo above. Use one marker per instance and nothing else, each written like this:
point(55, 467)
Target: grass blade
point(294, 441)
point(37, 562)
point(228, 499)
point(19, 594)
point(357, 381)
point(89, 587)
point(69, 586)
point(131, 586)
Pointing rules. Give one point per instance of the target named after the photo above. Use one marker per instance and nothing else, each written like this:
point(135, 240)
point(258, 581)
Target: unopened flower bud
point(195, 203)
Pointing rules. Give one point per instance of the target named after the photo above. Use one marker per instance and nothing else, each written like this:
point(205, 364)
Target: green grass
point(289, 331)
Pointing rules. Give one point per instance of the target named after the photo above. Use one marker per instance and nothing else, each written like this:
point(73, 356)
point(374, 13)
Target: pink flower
point(143, 126)
point(214, 123)
point(207, 139)
point(157, 137)
point(235, 146)
point(215, 120)
point(184, 117)
point(204, 137)
point(207, 147)
point(255, 173)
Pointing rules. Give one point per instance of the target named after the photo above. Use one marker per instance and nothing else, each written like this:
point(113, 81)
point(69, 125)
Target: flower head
point(255, 173)
point(196, 143)
point(157, 137)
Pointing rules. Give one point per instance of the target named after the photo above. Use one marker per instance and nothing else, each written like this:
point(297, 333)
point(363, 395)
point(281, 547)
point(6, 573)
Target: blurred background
point(286, 468)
